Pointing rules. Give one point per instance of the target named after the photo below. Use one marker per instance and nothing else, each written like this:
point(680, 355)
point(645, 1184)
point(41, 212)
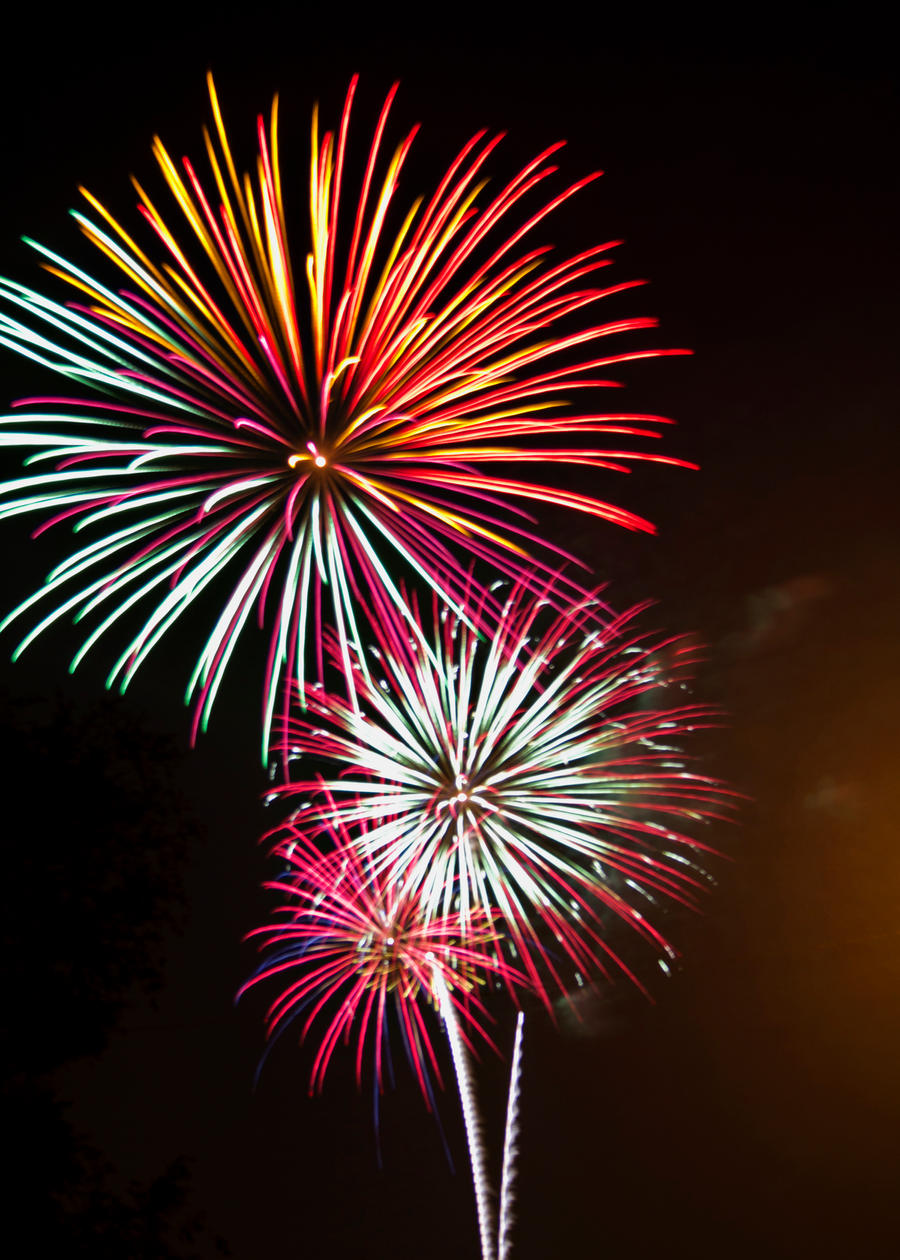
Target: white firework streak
point(510, 1145)
point(471, 1117)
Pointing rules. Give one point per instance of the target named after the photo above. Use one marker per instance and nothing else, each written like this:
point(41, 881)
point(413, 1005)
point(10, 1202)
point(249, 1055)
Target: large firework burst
point(240, 427)
point(534, 773)
point(351, 947)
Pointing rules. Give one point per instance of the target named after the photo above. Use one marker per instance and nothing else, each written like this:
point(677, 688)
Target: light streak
point(510, 1145)
point(471, 1117)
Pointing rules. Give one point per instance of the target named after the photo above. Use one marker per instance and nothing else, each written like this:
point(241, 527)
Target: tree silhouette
point(96, 846)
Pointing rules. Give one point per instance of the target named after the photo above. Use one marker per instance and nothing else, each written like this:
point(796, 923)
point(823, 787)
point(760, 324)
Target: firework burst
point(290, 441)
point(351, 947)
point(534, 772)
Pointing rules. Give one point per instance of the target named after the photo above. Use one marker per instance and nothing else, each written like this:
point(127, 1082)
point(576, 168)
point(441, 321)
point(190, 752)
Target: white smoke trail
point(470, 1117)
point(510, 1146)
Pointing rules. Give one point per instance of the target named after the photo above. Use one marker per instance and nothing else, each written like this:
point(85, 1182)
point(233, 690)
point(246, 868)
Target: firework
point(534, 773)
point(352, 951)
point(275, 443)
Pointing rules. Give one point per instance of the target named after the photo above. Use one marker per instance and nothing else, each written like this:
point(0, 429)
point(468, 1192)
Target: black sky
point(750, 161)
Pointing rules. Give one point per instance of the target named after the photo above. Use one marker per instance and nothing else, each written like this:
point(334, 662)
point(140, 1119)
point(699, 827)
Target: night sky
point(754, 1107)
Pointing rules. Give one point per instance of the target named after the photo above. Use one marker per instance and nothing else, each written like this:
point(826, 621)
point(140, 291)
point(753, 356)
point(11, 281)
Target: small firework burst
point(352, 948)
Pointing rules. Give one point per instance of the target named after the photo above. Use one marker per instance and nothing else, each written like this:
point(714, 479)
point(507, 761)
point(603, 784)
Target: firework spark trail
point(510, 1146)
point(279, 451)
point(471, 1117)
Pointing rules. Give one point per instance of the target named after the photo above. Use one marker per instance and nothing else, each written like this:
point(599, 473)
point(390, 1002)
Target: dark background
point(750, 159)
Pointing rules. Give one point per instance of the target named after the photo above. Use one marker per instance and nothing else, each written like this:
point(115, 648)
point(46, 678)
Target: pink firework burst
point(351, 948)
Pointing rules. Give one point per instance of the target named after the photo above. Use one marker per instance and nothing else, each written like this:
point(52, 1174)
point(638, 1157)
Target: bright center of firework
point(387, 954)
point(387, 942)
point(462, 798)
point(314, 454)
